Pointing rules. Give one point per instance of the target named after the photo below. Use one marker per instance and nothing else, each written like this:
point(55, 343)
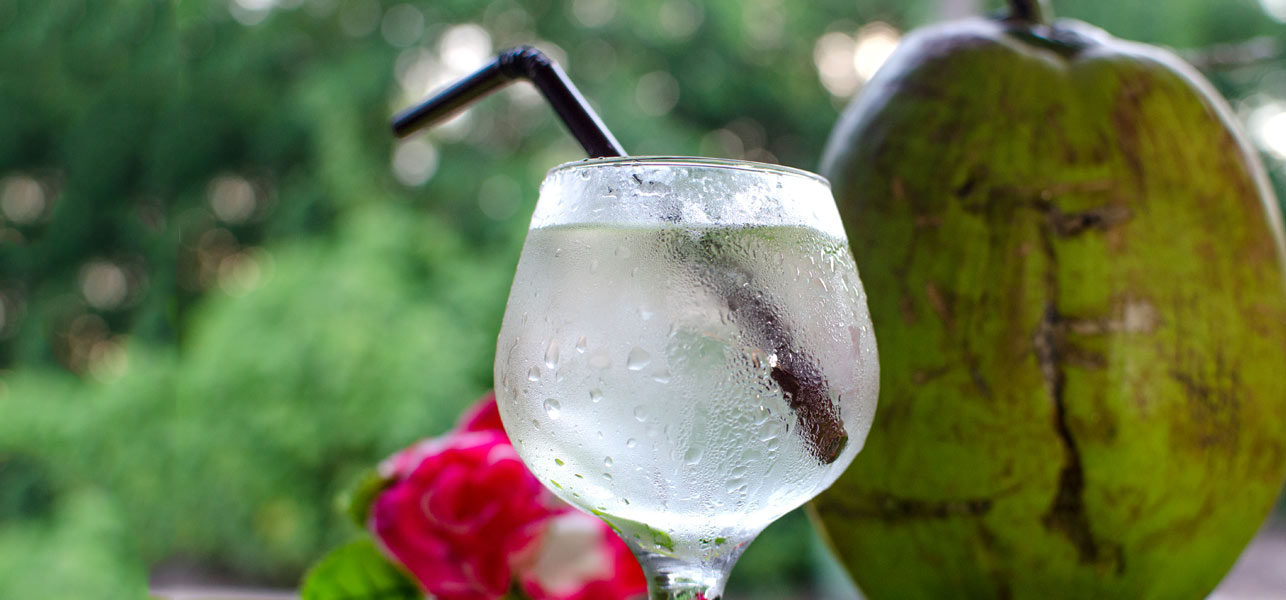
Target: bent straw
point(523, 62)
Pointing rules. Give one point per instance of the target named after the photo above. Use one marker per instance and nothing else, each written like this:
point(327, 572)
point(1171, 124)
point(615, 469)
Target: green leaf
point(357, 501)
point(356, 571)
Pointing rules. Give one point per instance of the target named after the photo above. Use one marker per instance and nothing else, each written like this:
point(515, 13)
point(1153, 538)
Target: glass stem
point(670, 578)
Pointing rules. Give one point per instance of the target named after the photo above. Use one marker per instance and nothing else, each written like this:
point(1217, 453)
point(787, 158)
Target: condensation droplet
point(630, 443)
point(551, 354)
point(595, 395)
point(637, 359)
point(662, 376)
point(552, 408)
point(693, 455)
point(607, 461)
point(640, 413)
point(582, 344)
point(533, 374)
point(607, 476)
point(535, 423)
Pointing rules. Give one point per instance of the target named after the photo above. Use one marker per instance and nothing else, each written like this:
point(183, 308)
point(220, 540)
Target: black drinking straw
point(523, 62)
point(799, 377)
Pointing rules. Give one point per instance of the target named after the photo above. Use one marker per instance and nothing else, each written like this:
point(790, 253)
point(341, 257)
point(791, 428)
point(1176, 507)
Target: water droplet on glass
point(557, 252)
point(582, 344)
point(559, 462)
point(552, 408)
point(600, 435)
point(637, 359)
point(551, 354)
point(535, 423)
point(533, 374)
point(607, 462)
point(595, 395)
point(593, 265)
point(630, 443)
point(645, 314)
point(640, 413)
point(662, 376)
point(693, 455)
point(607, 476)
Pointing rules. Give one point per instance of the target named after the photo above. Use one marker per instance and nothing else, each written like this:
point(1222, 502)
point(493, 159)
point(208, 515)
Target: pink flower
point(581, 558)
point(464, 515)
point(483, 416)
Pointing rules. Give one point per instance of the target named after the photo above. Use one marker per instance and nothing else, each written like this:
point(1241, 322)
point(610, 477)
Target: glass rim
point(730, 164)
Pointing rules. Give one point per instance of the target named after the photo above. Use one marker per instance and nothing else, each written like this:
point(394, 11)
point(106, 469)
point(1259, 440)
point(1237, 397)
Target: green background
point(225, 289)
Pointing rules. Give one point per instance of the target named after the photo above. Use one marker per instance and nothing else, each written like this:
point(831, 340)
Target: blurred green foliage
point(225, 289)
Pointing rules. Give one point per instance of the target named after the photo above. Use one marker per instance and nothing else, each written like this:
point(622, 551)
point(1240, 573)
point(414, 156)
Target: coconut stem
point(1036, 12)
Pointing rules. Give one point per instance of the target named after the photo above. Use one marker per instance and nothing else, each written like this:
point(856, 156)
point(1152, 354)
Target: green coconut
point(1075, 271)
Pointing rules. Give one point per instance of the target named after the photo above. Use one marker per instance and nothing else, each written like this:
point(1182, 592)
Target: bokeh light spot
point(875, 42)
point(414, 162)
point(464, 47)
point(593, 13)
point(250, 12)
point(1268, 125)
point(656, 93)
point(103, 284)
point(679, 19)
point(106, 359)
point(239, 273)
point(1274, 8)
point(833, 56)
point(22, 199)
point(402, 26)
point(232, 198)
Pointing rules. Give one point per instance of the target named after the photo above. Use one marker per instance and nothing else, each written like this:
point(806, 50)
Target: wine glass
point(686, 353)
